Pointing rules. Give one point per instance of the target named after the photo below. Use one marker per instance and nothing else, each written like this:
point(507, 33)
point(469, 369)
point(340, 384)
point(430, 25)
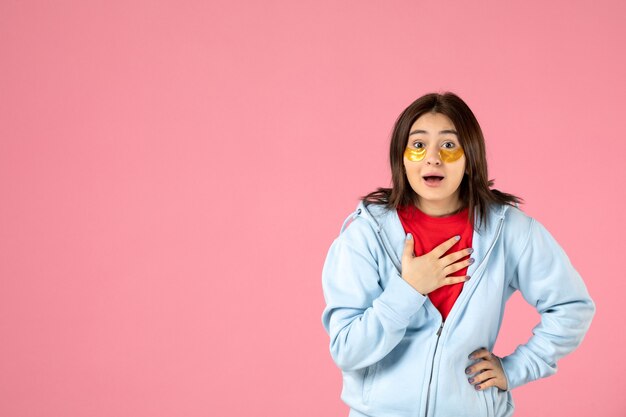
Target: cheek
point(457, 170)
point(409, 166)
point(412, 174)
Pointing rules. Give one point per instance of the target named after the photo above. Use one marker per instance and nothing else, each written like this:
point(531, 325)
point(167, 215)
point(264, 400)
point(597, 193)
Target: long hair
point(475, 192)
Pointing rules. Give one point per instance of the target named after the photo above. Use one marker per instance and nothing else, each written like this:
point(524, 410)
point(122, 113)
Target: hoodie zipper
point(432, 366)
point(432, 369)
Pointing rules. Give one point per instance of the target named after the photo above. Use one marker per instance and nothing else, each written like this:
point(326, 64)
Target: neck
point(439, 208)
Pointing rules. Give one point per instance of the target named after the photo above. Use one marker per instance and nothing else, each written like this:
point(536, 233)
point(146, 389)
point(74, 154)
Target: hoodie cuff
point(516, 372)
point(401, 299)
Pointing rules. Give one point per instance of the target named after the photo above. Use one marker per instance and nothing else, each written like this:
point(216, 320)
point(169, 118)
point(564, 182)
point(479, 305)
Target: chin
point(428, 195)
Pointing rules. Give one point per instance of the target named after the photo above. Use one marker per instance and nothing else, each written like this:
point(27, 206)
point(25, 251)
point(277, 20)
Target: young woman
point(416, 282)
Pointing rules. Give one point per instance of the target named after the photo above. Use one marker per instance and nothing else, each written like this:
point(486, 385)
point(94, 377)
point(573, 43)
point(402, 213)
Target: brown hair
point(475, 192)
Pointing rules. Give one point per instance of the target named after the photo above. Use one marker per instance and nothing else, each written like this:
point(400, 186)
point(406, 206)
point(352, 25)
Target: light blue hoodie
point(397, 356)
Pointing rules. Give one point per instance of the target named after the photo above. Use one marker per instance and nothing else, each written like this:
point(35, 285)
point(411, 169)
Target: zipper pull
point(440, 329)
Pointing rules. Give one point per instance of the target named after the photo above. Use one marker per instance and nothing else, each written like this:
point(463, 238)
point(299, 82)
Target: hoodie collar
point(392, 235)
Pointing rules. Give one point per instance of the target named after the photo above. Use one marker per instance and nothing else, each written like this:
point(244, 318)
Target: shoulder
point(515, 218)
point(511, 218)
point(524, 234)
point(361, 228)
point(516, 228)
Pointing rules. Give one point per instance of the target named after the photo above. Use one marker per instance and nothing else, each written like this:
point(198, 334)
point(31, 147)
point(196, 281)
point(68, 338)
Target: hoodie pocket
point(502, 403)
point(486, 402)
point(368, 381)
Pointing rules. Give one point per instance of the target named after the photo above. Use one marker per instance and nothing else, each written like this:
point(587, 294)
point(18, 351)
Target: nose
point(433, 157)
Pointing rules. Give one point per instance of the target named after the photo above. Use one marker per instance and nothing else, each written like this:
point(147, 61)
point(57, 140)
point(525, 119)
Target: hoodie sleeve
point(364, 321)
point(548, 281)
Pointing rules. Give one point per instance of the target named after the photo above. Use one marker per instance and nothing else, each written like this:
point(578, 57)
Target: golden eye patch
point(450, 155)
point(446, 155)
point(415, 154)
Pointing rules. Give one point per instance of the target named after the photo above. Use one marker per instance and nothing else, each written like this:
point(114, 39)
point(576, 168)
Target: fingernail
point(477, 387)
point(470, 380)
point(409, 236)
point(457, 237)
point(470, 356)
point(468, 277)
point(471, 260)
point(470, 250)
point(467, 371)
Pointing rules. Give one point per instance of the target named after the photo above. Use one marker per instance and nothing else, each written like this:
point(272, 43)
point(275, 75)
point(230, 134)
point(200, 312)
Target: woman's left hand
point(488, 371)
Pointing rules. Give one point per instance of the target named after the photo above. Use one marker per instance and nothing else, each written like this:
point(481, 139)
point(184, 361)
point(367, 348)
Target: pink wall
point(172, 174)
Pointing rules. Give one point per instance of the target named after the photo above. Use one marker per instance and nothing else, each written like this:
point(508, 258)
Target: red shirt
point(429, 232)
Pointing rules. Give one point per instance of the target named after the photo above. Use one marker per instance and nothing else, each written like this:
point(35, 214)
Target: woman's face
point(435, 164)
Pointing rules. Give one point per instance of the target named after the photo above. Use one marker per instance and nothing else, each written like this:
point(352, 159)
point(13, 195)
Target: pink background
point(172, 174)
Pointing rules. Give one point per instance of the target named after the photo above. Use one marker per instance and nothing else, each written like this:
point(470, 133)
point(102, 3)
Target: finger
point(479, 366)
point(451, 269)
point(482, 353)
point(486, 384)
point(445, 246)
point(481, 377)
point(453, 280)
point(455, 256)
point(409, 246)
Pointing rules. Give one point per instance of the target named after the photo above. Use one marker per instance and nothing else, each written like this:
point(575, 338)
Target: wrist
point(417, 288)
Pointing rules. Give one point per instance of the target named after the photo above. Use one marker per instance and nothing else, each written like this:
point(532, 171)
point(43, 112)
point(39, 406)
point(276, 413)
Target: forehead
point(432, 123)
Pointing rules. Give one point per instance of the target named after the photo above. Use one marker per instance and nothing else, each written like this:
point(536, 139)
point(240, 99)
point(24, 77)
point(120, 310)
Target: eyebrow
point(454, 132)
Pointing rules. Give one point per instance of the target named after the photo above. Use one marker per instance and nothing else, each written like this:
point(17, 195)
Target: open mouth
point(433, 179)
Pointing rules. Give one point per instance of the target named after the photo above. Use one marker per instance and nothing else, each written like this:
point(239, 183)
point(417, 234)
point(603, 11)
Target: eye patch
point(446, 155)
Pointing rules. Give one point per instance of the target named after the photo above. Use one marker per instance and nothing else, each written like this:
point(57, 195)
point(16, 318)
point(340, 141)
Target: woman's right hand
point(430, 271)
